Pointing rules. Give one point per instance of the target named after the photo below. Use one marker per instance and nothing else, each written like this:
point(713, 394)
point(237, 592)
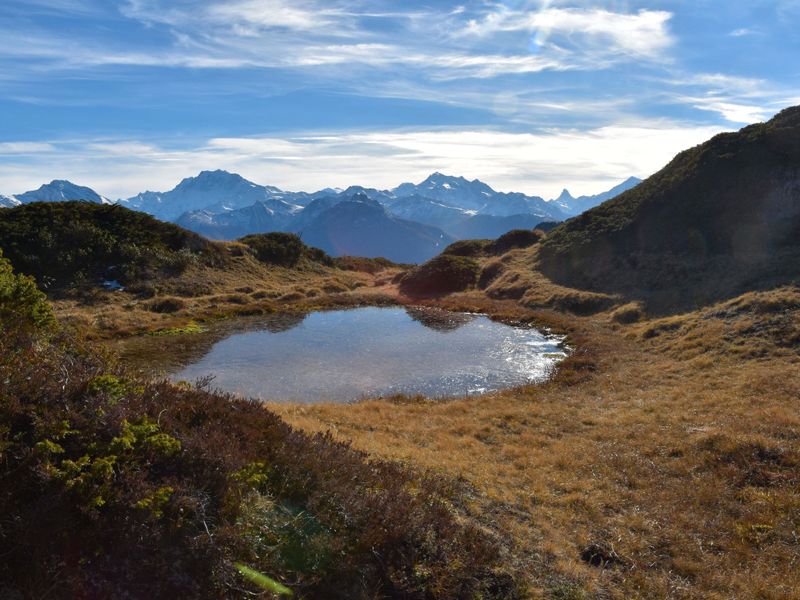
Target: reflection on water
point(437, 319)
point(346, 355)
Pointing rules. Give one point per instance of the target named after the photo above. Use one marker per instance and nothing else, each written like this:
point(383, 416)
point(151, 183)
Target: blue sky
point(527, 95)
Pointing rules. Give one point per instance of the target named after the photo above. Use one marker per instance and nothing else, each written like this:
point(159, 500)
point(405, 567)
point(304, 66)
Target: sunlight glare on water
point(347, 355)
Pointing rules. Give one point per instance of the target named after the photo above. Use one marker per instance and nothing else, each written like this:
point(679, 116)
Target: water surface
point(347, 355)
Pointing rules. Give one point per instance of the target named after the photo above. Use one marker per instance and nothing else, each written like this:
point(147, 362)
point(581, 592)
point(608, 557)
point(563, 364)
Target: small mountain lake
point(348, 355)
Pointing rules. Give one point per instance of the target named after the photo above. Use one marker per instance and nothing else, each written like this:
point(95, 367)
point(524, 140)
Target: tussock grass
point(671, 443)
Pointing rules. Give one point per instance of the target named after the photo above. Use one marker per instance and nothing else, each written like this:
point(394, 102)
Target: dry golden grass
point(248, 287)
point(673, 442)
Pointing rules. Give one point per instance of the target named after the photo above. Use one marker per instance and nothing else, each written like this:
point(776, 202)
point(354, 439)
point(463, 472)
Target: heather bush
point(283, 249)
point(517, 238)
point(68, 244)
point(470, 248)
point(113, 487)
point(442, 274)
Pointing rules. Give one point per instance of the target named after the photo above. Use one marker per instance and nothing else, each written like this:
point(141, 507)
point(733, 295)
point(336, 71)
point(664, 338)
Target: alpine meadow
point(442, 301)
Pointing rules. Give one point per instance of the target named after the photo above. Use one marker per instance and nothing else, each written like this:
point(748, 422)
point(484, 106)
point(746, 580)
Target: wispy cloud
point(312, 34)
point(17, 148)
point(643, 33)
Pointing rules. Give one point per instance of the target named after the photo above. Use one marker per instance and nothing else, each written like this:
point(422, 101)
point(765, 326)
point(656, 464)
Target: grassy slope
point(673, 440)
point(111, 486)
point(171, 276)
point(722, 218)
point(668, 444)
point(676, 441)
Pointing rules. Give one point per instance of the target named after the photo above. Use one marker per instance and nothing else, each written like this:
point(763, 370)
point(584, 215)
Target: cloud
point(297, 15)
point(536, 163)
point(643, 34)
point(735, 113)
point(25, 147)
point(310, 34)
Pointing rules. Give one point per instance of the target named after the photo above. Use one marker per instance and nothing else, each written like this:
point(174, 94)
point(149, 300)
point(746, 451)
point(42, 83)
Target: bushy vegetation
point(63, 244)
point(113, 487)
point(516, 238)
point(283, 249)
point(23, 308)
point(471, 248)
point(442, 274)
point(362, 264)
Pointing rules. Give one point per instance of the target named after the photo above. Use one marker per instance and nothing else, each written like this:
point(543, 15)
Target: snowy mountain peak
point(8, 201)
point(215, 179)
point(565, 196)
point(60, 190)
point(454, 191)
point(362, 198)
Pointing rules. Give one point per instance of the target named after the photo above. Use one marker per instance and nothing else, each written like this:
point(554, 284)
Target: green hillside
point(721, 218)
point(67, 243)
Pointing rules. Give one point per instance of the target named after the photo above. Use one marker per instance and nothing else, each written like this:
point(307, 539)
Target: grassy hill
point(111, 487)
point(169, 276)
point(62, 244)
point(721, 218)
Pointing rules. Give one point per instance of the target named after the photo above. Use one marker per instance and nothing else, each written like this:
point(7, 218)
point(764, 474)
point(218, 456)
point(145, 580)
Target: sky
point(526, 95)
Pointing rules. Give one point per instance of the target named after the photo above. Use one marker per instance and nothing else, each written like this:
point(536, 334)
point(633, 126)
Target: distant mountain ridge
point(575, 206)
point(57, 190)
point(213, 191)
point(223, 205)
point(361, 226)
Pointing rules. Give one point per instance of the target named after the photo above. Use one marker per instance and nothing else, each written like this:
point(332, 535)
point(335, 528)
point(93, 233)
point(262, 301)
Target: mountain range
point(409, 223)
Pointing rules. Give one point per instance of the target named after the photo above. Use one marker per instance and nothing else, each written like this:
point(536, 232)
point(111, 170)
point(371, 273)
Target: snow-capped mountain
point(409, 223)
point(265, 215)
point(477, 196)
point(384, 197)
point(213, 191)
point(8, 201)
point(340, 224)
point(575, 206)
point(453, 191)
point(429, 211)
point(60, 190)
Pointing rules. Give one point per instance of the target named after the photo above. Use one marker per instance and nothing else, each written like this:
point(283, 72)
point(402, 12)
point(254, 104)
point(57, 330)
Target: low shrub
point(469, 248)
point(68, 244)
point(22, 306)
point(166, 305)
point(283, 249)
point(362, 264)
point(113, 487)
point(517, 238)
point(628, 313)
point(275, 248)
point(442, 274)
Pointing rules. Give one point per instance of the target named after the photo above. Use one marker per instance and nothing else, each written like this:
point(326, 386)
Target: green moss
point(191, 328)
